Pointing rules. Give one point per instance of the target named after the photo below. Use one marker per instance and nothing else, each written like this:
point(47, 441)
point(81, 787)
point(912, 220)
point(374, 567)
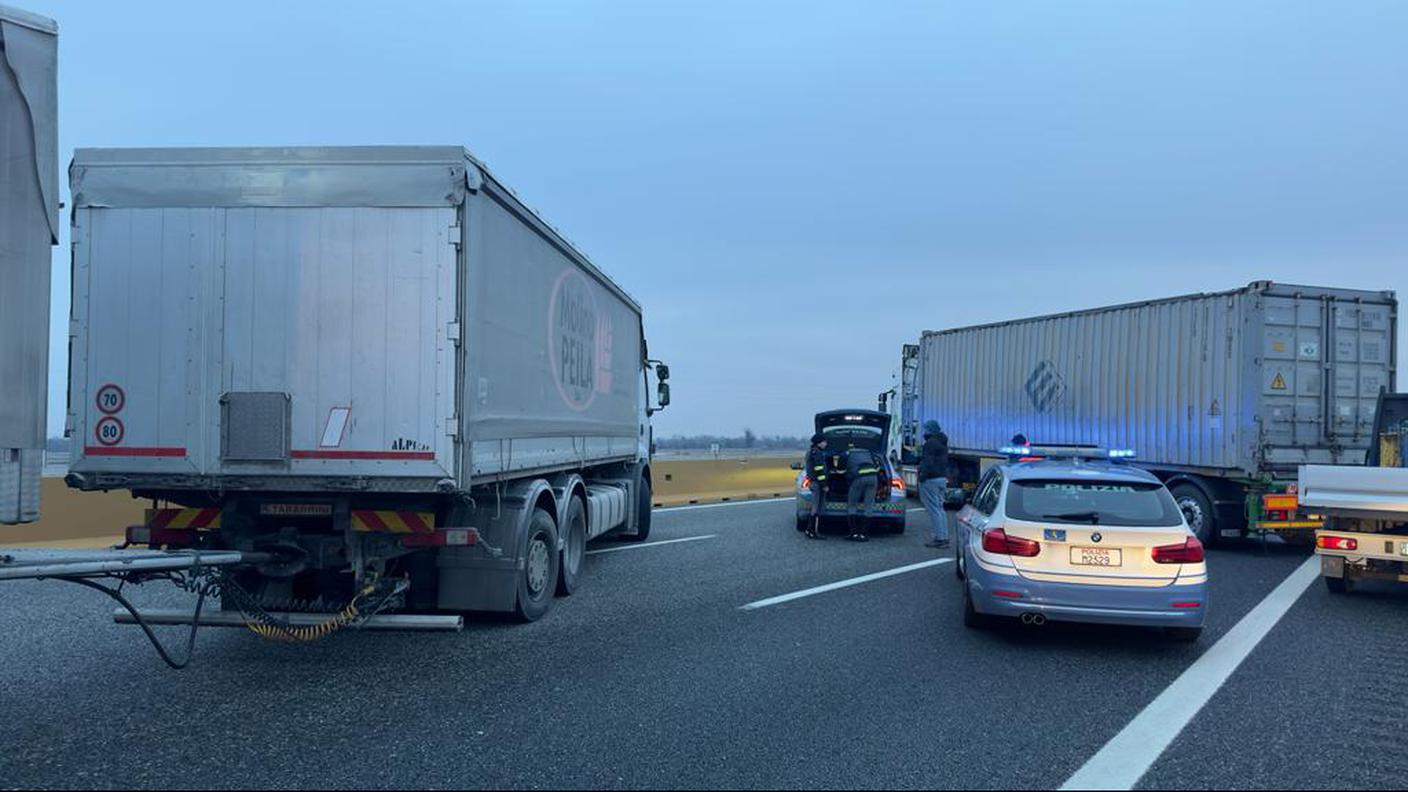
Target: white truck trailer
point(29, 226)
point(366, 369)
point(1222, 395)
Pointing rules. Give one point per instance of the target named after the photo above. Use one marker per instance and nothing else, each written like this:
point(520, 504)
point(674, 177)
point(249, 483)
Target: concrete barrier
point(70, 518)
point(684, 481)
point(67, 516)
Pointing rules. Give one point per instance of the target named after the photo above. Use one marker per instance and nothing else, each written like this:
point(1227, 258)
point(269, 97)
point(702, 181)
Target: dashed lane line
point(644, 545)
point(840, 584)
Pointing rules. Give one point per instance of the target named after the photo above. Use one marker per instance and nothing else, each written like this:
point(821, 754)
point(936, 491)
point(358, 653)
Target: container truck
point(29, 226)
point(1221, 395)
point(358, 370)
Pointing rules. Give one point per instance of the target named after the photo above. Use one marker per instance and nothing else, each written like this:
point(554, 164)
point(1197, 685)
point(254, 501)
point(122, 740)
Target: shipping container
point(1222, 394)
point(322, 339)
point(29, 226)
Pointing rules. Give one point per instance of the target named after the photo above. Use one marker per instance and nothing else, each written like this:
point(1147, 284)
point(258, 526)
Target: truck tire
point(1197, 510)
point(574, 547)
point(643, 506)
point(537, 581)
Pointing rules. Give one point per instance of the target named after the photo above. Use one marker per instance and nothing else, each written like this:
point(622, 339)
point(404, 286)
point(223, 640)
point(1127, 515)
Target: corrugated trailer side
point(555, 350)
point(29, 226)
point(1164, 378)
point(1222, 394)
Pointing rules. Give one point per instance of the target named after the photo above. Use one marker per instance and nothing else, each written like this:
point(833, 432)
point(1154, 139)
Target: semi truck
point(1222, 395)
point(345, 375)
point(29, 226)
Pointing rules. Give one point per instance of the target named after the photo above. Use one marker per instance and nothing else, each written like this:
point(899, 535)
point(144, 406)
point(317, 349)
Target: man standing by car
point(933, 481)
point(816, 473)
point(863, 470)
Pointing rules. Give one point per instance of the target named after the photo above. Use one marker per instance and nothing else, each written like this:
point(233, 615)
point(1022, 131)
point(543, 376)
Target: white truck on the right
point(1365, 509)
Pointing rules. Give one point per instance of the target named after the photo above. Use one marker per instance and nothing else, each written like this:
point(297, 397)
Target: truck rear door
point(292, 340)
point(1324, 359)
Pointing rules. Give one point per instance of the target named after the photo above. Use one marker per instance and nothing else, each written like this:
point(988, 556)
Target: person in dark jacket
point(817, 469)
point(933, 482)
point(863, 470)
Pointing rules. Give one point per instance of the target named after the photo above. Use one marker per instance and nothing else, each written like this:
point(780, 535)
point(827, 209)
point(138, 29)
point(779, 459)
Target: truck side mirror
point(662, 394)
point(662, 371)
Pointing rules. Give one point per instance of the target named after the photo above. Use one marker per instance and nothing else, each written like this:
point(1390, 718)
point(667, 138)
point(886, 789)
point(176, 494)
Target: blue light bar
point(1016, 450)
point(1121, 453)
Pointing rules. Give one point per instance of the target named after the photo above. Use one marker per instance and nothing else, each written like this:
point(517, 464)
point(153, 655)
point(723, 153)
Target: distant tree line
point(748, 440)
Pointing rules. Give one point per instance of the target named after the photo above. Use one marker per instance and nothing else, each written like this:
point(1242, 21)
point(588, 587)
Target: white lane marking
point(1130, 754)
point(650, 544)
point(856, 581)
point(754, 502)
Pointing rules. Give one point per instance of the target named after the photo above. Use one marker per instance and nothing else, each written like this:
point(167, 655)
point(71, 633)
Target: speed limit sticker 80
point(109, 431)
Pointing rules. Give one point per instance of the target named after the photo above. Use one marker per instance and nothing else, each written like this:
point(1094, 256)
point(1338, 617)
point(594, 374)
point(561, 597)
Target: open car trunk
point(847, 429)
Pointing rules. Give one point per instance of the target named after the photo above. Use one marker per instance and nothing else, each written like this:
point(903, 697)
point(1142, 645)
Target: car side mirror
point(662, 394)
point(796, 465)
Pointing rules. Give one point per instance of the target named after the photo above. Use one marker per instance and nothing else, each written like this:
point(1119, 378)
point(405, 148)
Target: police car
point(844, 430)
point(1078, 535)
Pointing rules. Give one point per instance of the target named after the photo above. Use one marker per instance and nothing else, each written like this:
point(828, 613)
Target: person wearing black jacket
point(933, 481)
point(816, 472)
point(863, 470)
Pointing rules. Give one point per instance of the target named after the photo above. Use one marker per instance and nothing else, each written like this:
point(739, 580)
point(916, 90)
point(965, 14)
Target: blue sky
point(755, 171)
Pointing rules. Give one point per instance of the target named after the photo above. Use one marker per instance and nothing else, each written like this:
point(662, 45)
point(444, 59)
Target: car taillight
point(897, 483)
point(997, 541)
point(1336, 543)
point(806, 482)
point(1186, 552)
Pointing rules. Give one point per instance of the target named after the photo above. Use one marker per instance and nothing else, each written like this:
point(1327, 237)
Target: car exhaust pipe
point(1033, 619)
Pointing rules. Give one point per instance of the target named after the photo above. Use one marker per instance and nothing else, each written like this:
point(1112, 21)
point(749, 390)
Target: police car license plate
point(1096, 556)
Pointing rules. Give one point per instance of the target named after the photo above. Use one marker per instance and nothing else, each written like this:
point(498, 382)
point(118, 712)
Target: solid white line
point(754, 502)
point(650, 544)
point(778, 600)
point(1129, 754)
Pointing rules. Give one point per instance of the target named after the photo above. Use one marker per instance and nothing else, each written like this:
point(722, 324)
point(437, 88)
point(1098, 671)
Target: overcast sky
point(793, 190)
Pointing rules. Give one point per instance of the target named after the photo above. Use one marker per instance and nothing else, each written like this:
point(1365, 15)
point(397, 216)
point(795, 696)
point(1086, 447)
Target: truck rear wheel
point(1197, 510)
point(574, 547)
point(538, 579)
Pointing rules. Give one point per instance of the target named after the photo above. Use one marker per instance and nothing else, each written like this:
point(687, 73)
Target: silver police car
point(1079, 537)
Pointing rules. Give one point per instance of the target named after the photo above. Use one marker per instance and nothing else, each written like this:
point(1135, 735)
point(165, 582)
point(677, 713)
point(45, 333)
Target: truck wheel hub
point(537, 566)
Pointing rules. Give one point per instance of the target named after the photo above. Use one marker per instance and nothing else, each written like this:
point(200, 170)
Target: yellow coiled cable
point(312, 632)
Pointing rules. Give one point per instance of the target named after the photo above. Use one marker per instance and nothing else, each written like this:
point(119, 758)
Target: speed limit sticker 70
point(111, 399)
point(109, 431)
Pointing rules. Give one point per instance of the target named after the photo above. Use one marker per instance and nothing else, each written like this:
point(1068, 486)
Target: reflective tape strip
point(183, 519)
point(1271, 525)
point(388, 521)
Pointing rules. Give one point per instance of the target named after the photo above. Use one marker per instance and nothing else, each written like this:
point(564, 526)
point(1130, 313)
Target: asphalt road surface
point(657, 675)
